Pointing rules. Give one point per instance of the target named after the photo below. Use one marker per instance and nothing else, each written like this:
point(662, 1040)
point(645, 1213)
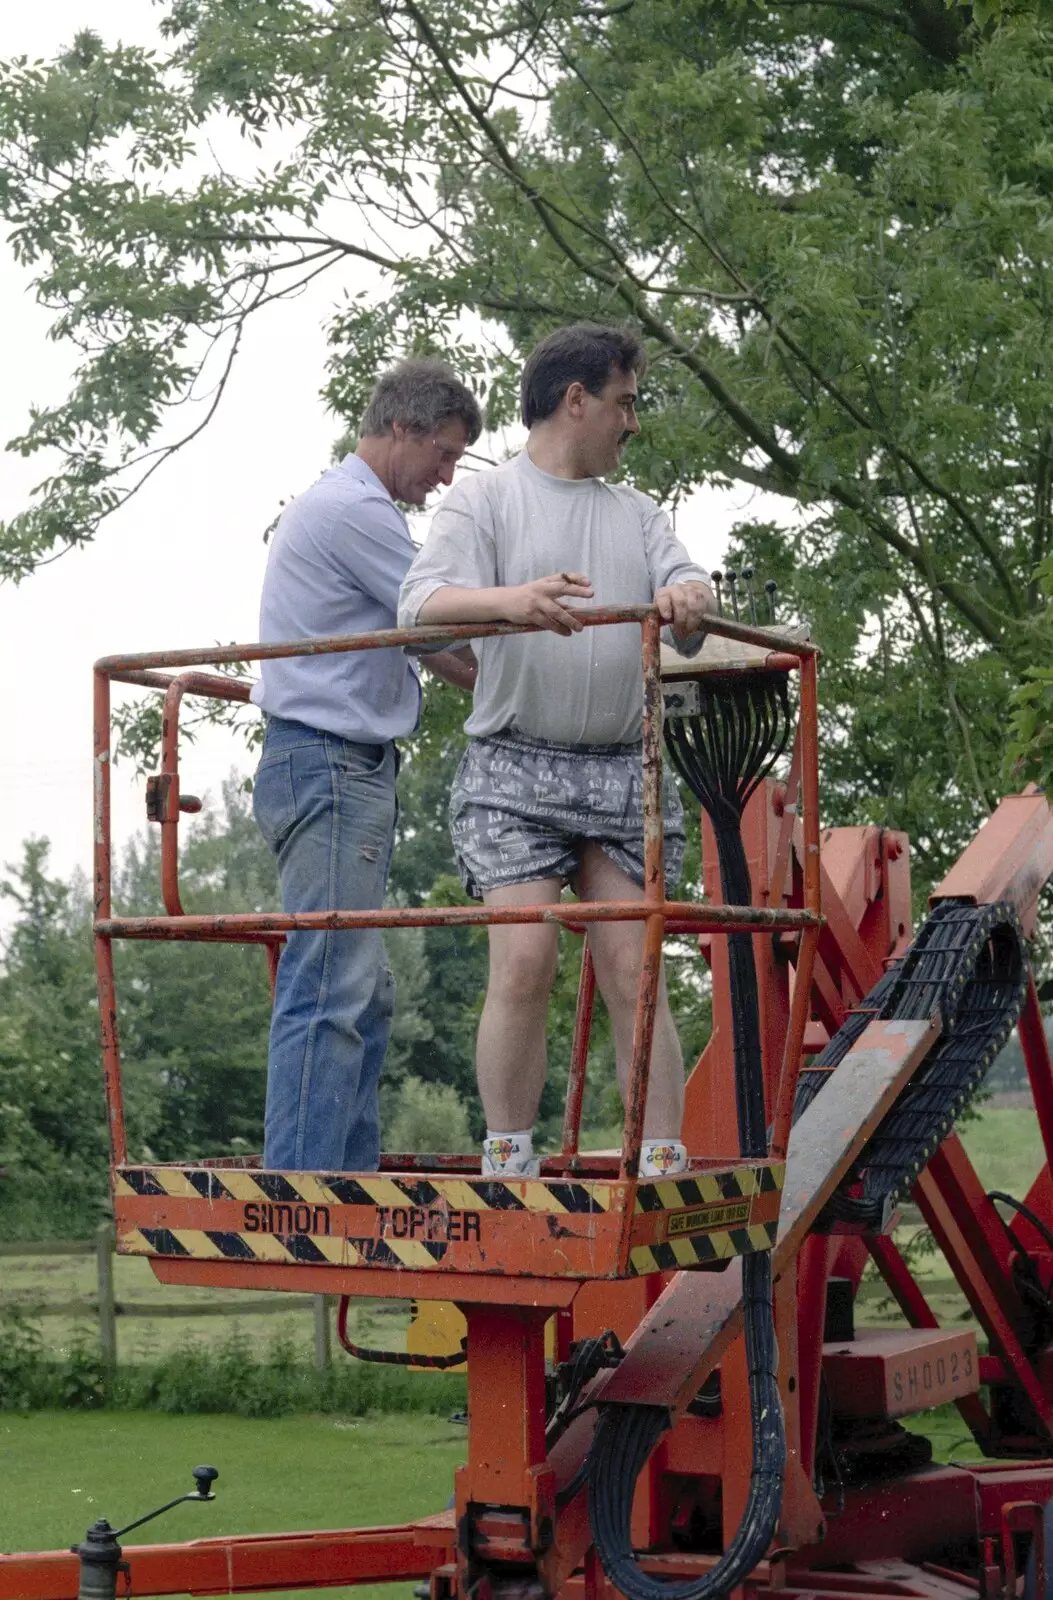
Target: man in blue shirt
point(324, 792)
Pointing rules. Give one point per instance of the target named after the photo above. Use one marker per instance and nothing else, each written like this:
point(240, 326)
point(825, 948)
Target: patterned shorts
point(521, 809)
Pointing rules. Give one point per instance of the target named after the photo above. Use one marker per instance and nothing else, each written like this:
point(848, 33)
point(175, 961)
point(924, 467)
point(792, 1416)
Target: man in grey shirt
point(549, 790)
point(324, 793)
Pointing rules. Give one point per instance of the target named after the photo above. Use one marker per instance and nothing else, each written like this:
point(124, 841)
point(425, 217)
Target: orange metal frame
point(564, 1246)
point(509, 1254)
point(607, 1225)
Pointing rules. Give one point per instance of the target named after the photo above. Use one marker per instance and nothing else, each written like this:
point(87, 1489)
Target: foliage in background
point(50, 1122)
point(831, 223)
point(233, 1375)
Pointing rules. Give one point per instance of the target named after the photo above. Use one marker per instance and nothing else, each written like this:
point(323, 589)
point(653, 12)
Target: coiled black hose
point(722, 753)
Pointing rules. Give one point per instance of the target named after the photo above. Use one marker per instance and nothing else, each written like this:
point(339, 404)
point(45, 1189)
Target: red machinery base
point(936, 1534)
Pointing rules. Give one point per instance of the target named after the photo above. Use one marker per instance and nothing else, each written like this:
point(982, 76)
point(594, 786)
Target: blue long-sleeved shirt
point(337, 558)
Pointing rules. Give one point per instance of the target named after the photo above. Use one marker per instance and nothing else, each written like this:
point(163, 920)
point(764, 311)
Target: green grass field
point(1005, 1147)
point(61, 1471)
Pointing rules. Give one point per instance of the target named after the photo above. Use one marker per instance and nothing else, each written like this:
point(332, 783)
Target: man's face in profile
point(421, 461)
point(609, 421)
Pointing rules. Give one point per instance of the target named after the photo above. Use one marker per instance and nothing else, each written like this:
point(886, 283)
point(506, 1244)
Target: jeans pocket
point(358, 760)
point(273, 799)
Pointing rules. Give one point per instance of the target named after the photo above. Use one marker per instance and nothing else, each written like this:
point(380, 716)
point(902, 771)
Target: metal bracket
point(158, 791)
point(682, 699)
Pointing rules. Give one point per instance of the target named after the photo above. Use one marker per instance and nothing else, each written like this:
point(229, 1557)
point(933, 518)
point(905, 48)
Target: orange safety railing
point(658, 914)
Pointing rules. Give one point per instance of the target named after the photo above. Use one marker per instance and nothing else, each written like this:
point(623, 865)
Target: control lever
point(100, 1554)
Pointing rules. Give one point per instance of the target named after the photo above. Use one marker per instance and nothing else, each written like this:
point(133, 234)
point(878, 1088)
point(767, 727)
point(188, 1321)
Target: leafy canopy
point(830, 221)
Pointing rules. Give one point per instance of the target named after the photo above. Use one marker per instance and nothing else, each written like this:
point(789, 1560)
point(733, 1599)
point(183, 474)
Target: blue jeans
point(326, 806)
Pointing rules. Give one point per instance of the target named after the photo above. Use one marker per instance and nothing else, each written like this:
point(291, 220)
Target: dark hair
point(584, 352)
point(421, 394)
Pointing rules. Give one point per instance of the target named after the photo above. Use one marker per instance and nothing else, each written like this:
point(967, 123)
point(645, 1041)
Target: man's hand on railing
point(535, 604)
point(684, 606)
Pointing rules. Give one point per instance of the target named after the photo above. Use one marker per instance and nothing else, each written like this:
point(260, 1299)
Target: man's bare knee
point(618, 973)
point(522, 971)
point(525, 987)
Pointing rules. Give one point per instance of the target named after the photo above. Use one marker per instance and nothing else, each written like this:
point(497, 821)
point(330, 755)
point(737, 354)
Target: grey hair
point(421, 394)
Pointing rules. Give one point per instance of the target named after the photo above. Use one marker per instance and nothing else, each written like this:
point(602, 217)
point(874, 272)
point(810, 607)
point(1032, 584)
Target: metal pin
point(732, 578)
point(771, 589)
point(718, 579)
point(747, 578)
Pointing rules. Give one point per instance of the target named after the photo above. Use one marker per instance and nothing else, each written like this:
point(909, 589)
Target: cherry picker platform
point(396, 1232)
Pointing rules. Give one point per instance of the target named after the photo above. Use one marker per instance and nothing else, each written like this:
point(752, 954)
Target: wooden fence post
point(323, 1343)
point(104, 1245)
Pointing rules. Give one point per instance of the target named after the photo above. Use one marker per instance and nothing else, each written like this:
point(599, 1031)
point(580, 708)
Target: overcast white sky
point(181, 565)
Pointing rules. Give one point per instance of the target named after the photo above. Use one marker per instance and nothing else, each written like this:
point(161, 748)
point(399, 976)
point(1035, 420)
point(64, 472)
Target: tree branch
point(864, 8)
point(785, 337)
point(388, 263)
point(770, 482)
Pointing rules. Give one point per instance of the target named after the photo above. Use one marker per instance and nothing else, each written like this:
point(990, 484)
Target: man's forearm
point(454, 604)
point(458, 667)
point(538, 604)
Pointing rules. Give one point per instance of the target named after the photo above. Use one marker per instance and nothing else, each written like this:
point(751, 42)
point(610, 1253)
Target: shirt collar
point(567, 486)
point(357, 468)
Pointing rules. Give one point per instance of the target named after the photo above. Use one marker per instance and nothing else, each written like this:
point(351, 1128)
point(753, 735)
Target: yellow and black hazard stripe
point(375, 1189)
point(708, 1188)
point(294, 1216)
point(702, 1248)
point(289, 1216)
point(473, 1194)
point(206, 1244)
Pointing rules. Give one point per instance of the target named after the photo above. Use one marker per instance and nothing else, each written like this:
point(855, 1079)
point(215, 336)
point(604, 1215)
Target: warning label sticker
point(708, 1217)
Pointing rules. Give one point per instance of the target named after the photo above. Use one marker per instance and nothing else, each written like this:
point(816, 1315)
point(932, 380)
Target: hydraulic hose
point(626, 1435)
point(722, 753)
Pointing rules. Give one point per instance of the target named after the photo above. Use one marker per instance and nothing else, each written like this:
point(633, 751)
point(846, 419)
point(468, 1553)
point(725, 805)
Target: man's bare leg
point(617, 951)
point(510, 1053)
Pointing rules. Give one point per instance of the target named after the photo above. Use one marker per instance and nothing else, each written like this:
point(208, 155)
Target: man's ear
point(574, 398)
point(398, 431)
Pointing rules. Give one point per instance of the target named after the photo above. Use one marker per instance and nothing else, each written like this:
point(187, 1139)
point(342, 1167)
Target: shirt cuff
point(684, 647)
point(412, 598)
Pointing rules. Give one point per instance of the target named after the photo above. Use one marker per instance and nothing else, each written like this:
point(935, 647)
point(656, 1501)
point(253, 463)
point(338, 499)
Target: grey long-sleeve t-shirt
point(514, 523)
